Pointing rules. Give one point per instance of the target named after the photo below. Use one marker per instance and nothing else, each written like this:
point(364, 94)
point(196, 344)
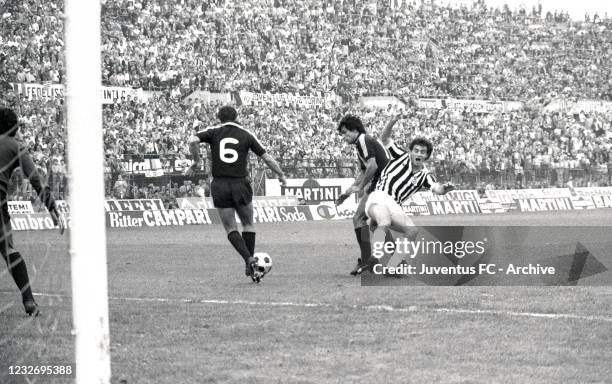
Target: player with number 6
point(230, 188)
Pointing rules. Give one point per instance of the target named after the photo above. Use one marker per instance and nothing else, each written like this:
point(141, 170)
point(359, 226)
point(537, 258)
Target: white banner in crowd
point(112, 95)
point(48, 91)
point(15, 207)
point(591, 106)
point(154, 173)
point(45, 91)
point(251, 98)
point(381, 101)
point(482, 106)
point(479, 106)
point(146, 166)
point(585, 105)
point(430, 103)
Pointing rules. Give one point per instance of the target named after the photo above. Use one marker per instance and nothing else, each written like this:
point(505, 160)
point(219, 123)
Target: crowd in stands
point(355, 48)
point(306, 143)
point(32, 41)
point(42, 131)
point(351, 48)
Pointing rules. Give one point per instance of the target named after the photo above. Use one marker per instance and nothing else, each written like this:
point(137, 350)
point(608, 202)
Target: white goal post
point(85, 161)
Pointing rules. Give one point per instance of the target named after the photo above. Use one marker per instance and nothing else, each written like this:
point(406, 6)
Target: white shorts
point(394, 214)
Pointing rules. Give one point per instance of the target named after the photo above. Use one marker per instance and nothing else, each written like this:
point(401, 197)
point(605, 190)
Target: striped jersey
point(368, 147)
point(399, 180)
point(230, 144)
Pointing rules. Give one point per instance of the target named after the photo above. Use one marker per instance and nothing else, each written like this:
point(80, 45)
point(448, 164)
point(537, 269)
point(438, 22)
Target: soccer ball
point(263, 263)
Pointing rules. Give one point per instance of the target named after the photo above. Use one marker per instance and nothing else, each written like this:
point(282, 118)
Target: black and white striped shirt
point(399, 180)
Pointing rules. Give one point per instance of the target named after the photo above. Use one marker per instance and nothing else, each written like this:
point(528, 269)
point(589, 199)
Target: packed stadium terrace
point(301, 139)
point(351, 48)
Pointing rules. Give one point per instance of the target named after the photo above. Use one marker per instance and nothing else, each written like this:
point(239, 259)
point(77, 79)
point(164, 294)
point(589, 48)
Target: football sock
point(388, 239)
point(18, 270)
point(249, 240)
point(238, 243)
point(363, 238)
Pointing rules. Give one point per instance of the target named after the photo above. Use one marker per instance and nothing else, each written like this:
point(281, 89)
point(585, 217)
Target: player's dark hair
point(422, 142)
point(351, 123)
point(8, 122)
point(227, 113)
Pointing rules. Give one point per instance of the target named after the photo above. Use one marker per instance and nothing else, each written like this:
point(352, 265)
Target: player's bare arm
point(442, 189)
point(385, 135)
point(58, 219)
point(273, 165)
point(194, 150)
point(43, 191)
point(361, 181)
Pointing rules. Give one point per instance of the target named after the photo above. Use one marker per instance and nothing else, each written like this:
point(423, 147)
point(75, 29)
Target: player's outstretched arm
point(58, 219)
point(273, 165)
point(43, 191)
point(442, 189)
point(194, 150)
point(385, 135)
point(361, 181)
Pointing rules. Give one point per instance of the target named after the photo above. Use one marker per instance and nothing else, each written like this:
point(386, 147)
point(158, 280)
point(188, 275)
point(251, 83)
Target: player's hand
point(195, 167)
point(282, 180)
point(352, 189)
point(58, 219)
point(341, 198)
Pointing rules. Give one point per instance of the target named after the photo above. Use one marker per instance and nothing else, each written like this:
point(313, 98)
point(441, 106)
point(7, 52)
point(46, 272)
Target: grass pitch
point(182, 311)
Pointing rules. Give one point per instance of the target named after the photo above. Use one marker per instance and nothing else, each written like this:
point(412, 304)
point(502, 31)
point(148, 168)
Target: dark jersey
point(399, 180)
point(367, 148)
point(230, 144)
point(14, 155)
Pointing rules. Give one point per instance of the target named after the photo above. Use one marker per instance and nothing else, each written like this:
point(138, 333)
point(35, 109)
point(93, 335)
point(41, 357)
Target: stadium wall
point(287, 207)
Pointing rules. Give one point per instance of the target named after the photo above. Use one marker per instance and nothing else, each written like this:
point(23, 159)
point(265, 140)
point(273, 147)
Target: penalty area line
point(374, 308)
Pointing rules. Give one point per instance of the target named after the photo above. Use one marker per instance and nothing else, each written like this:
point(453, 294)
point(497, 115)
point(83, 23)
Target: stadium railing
point(138, 183)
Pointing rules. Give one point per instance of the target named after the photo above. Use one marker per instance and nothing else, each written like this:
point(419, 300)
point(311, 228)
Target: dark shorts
point(231, 192)
point(6, 232)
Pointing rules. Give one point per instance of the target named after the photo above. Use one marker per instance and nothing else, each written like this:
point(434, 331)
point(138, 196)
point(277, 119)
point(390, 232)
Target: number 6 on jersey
point(228, 155)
